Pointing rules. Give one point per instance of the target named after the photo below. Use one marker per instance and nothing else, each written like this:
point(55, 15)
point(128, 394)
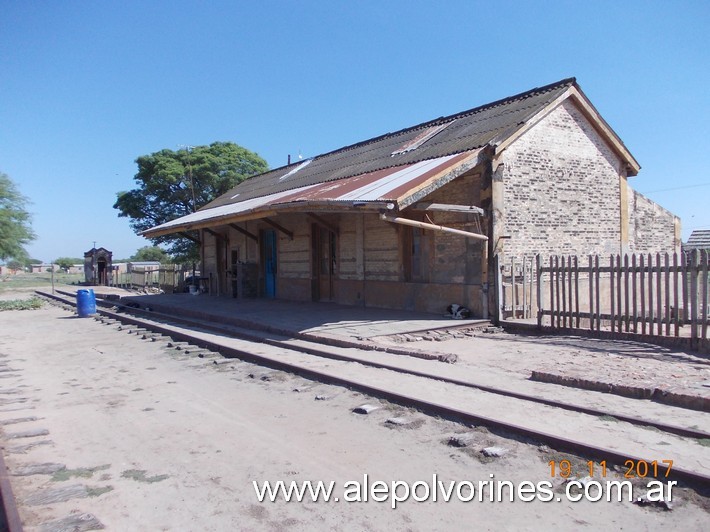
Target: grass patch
point(705, 442)
point(139, 476)
point(21, 304)
point(95, 492)
point(82, 472)
point(42, 280)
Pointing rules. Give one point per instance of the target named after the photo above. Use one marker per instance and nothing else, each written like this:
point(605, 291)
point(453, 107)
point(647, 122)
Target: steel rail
point(572, 445)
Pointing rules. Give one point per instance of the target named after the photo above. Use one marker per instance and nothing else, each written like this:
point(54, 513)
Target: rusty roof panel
point(463, 132)
point(382, 185)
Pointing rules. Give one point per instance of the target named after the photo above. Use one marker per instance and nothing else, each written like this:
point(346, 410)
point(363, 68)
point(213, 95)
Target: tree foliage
point(65, 263)
point(149, 253)
point(15, 221)
point(172, 184)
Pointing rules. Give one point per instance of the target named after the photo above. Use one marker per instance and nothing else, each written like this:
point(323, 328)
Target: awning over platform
point(389, 189)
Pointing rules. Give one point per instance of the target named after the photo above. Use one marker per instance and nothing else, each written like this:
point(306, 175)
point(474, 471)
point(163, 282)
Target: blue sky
point(86, 87)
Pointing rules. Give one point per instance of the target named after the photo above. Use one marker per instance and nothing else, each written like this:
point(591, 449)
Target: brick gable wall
point(561, 189)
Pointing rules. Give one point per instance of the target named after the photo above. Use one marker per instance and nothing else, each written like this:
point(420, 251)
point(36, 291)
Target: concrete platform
point(325, 320)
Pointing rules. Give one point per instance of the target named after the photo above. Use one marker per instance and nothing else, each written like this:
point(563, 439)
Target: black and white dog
point(457, 312)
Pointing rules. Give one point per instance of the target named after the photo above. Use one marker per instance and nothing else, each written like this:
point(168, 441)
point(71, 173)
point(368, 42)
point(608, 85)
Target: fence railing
point(168, 278)
point(659, 295)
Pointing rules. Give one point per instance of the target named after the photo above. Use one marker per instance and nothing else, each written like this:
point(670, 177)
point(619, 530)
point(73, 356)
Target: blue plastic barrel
point(85, 303)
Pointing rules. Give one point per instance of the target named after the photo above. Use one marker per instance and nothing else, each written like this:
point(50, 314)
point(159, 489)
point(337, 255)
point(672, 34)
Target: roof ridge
point(451, 118)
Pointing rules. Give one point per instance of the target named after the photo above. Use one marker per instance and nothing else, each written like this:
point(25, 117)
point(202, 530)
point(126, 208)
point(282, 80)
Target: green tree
point(147, 253)
point(65, 263)
point(176, 183)
point(15, 221)
point(15, 265)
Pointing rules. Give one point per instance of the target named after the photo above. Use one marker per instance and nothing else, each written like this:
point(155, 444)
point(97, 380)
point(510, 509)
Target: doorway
point(268, 262)
point(324, 263)
point(101, 273)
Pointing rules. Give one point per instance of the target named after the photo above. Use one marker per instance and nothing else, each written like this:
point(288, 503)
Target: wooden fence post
point(650, 294)
point(627, 314)
point(677, 317)
point(634, 294)
point(538, 275)
point(693, 270)
point(659, 296)
point(576, 290)
point(612, 292)
point(667, 281)
point(705, 281)
point(591, 294)
point(642, 285)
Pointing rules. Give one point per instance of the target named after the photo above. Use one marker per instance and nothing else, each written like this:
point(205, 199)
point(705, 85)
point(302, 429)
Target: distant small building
point(699, 239)
point(97, 266)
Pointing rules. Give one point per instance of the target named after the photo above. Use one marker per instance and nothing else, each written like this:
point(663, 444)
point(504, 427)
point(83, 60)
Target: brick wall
point(652, 229)
point(455, 258)
point(561, 189)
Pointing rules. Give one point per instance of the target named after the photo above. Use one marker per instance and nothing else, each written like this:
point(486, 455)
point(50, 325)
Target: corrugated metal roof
point(387, 167)
point(471, 129)
point(699, 239)
point(387, 185)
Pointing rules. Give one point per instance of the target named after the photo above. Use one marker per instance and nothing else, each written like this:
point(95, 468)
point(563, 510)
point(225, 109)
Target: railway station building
point(414, 219)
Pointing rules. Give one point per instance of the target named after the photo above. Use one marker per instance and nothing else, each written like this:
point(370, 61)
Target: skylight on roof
point(420, 139)
point(294, 170)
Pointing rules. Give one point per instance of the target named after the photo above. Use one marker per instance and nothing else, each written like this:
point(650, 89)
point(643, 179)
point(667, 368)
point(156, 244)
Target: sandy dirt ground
point(154, 440)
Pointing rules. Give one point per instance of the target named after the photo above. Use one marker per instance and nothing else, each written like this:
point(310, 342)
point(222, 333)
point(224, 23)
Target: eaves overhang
point(389, 189)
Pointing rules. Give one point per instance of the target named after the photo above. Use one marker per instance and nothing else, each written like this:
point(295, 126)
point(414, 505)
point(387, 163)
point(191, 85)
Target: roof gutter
point(432, 227)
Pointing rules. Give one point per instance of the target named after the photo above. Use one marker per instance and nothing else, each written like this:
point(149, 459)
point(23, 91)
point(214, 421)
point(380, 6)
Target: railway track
point(390, 378)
